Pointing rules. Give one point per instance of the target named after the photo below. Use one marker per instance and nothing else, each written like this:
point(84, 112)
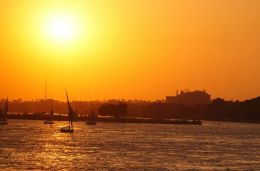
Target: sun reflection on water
point(33, 145)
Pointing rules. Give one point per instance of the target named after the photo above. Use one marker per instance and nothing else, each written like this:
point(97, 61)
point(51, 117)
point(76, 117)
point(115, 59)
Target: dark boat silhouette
point(3, 114)
point(92, 118)
point(71, 113)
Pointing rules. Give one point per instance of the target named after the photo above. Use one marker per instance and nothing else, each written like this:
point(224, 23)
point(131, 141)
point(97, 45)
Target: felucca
point(71, 113)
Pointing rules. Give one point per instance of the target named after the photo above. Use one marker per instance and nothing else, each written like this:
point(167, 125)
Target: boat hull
point(66, 129)
point(48, 122)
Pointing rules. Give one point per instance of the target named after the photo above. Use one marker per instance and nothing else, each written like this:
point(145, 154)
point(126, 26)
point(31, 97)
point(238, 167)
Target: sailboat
point(71, 114)
point(3, 114)
point(91, 119)
point(49, 120)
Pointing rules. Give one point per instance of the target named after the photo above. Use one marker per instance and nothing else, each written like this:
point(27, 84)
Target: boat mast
point(71, 112)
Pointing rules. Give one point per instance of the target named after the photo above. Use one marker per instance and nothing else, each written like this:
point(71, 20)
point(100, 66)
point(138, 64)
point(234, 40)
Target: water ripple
point(108, 146)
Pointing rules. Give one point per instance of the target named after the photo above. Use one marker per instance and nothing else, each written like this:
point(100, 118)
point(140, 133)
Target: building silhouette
point(190, 98)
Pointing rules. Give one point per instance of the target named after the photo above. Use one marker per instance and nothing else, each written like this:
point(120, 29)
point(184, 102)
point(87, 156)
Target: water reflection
point(33, 145)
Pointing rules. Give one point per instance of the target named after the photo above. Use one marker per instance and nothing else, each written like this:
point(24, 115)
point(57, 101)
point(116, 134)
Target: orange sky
point(136, 49)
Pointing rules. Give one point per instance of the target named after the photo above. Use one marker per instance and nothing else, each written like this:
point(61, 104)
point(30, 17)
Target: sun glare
point(62, 28)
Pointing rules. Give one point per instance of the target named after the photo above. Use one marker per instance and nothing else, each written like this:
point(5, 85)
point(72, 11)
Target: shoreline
point(110, 119)
point(126, 120)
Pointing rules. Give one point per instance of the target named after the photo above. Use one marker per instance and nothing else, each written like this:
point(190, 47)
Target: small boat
point(67, 129)
point(3, 114)
point(91, 119)
point(71, 113)
point(48, 122)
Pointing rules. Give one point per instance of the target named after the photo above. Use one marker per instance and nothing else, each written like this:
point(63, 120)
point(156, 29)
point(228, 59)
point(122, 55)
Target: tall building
point(191, 98)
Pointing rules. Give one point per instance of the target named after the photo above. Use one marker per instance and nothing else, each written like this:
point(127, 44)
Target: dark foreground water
point(112, 146)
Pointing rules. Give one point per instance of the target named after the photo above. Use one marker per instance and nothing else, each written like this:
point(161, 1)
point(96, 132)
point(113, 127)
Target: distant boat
point(50, 116)
point(3, 114)
point(71, 113)
point(92, 119)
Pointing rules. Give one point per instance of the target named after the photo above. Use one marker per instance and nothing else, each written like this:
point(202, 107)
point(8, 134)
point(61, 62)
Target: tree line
point(218, 109)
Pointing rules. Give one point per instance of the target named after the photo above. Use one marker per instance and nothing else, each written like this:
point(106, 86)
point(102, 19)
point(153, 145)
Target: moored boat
point(67, 129)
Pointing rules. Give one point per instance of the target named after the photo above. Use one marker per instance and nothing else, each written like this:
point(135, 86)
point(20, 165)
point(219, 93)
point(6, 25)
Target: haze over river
point(113, 146)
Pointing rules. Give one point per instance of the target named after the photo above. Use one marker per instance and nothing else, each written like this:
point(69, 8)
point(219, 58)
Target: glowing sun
point(62, 28)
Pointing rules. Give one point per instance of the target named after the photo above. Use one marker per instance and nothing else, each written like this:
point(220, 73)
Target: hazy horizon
point(137, 49)
point(117, 99)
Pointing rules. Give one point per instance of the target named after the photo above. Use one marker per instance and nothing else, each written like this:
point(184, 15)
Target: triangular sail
point(71, 112)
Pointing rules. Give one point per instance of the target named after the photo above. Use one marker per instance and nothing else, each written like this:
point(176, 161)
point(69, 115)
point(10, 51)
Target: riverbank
point(108, 119)
point(150, 120)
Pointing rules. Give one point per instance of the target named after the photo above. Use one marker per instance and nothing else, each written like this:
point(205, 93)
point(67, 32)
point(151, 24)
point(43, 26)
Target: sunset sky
point(131, 49)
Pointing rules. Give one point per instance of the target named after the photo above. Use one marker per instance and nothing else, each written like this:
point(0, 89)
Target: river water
point(113, 146)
